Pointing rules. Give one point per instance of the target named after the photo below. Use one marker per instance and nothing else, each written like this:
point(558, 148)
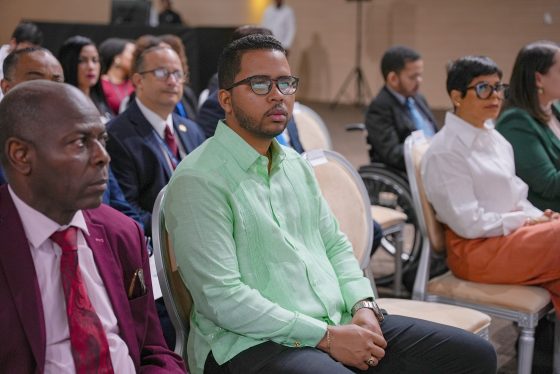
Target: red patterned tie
point(90, 349)
point(171, 142)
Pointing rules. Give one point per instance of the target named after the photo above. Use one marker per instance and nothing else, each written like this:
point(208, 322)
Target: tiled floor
point(352, 145)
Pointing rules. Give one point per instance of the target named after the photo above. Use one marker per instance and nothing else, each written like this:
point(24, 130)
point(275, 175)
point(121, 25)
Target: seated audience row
point(320, 318)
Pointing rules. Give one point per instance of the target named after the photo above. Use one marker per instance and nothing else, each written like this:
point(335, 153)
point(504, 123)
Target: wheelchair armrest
point(355, 127)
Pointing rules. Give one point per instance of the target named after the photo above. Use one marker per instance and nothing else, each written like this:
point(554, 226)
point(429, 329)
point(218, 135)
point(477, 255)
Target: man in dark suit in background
point(398, 109)
point(75, 273)
point(147, 141)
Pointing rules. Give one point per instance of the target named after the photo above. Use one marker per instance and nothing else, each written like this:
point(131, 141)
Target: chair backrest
point(347, 197)
point(313, 133)
point(176, 296)
point(415, 147)
point(432, 231)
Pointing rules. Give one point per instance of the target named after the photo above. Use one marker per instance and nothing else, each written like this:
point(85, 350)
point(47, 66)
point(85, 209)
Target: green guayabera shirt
point(261, 254)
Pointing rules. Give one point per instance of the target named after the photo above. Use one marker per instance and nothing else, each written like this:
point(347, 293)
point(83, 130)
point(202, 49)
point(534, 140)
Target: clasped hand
point(547, 216)
point(354, 344)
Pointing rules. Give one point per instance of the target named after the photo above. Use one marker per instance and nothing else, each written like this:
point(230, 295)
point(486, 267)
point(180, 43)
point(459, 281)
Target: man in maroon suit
point(74, 276)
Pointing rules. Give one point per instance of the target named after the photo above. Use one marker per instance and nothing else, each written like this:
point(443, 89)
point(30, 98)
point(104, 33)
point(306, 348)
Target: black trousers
point(413, 346)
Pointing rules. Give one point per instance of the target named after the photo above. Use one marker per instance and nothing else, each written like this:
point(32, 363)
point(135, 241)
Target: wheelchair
point(388, 187)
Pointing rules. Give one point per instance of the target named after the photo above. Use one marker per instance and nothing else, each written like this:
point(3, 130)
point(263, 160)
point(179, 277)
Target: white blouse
point(469, 177)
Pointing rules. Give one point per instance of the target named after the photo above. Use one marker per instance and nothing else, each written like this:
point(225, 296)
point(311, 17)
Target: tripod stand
point(362, 88)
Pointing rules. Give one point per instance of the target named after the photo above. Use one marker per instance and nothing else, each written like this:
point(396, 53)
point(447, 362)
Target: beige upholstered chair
point(313, 133)
point(347, 197)
point(525, 305)
point(392, 222)
point(176, 296)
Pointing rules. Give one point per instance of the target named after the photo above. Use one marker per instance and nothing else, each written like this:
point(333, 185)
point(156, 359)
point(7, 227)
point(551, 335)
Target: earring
point(540, 90)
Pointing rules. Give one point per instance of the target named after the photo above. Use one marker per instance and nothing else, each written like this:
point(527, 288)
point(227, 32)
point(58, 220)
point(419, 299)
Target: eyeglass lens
point(484, 90)
point(263, 85)
point(163, 74)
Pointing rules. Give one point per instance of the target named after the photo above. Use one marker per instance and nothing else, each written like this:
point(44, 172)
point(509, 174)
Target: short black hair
point(10, 62)
point(28, 32)
point(245, 30)
point(109, 49)
point(229, 62)
point(534, 57)
point(462, 71)
point(395, 59)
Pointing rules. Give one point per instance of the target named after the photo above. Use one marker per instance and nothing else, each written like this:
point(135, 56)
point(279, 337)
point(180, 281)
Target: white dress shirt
point(46, 258)
point(159, 125)
point(282, 22)
point(469, 177)
point(155, 120)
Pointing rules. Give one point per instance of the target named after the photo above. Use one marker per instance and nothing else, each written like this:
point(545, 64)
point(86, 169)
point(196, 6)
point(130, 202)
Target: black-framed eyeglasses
point(163, 74)
point(484, 90)
point(262, 84)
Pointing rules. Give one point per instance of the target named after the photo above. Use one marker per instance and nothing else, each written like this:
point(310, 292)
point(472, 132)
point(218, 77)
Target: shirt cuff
point(355, 291)
point(306, 332)
point(512, 221)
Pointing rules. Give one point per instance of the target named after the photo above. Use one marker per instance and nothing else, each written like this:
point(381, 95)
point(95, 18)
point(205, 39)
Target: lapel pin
point(99, 240)
point(183, 128)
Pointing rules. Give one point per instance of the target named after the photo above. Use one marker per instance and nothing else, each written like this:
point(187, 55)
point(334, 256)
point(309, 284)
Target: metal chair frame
point(163, 250)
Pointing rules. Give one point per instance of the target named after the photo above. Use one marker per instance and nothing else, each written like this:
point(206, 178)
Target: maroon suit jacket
point(118, 249)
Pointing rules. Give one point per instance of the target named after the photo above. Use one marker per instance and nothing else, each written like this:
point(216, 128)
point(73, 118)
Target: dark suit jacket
point(137, 159)
point(118, 248)
point(114, 197)
point(388, 123)
point(537, 156)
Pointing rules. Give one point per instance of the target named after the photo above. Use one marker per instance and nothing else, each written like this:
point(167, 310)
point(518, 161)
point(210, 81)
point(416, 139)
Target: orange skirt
point(530, 256)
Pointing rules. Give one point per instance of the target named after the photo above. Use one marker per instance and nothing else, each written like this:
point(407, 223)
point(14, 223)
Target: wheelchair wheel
point(389, 188)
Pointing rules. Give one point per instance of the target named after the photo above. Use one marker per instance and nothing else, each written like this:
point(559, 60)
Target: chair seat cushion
point(526, 299)
point(387, 217)
point(451, 315)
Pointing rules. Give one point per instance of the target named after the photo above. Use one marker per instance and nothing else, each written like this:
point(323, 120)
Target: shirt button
point(297, 344)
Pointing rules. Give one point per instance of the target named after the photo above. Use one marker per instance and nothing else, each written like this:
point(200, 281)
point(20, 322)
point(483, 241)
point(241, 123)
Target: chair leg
point(556, 362)
point(397, 278)
point(525, 352)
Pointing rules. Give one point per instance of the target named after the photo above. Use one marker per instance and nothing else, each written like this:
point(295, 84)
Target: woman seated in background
point(493, 233)
point(116, 62)
point(80, 61)
point(532, 124)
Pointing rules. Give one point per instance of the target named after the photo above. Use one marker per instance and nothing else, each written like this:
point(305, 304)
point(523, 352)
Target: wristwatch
point(369, 304)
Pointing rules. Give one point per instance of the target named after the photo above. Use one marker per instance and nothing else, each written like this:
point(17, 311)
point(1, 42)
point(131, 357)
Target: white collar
point(155, 120)
point(39, 227)
point(464, 130)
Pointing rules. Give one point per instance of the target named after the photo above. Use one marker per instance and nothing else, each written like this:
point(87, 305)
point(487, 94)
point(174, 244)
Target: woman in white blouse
point(493, 233)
